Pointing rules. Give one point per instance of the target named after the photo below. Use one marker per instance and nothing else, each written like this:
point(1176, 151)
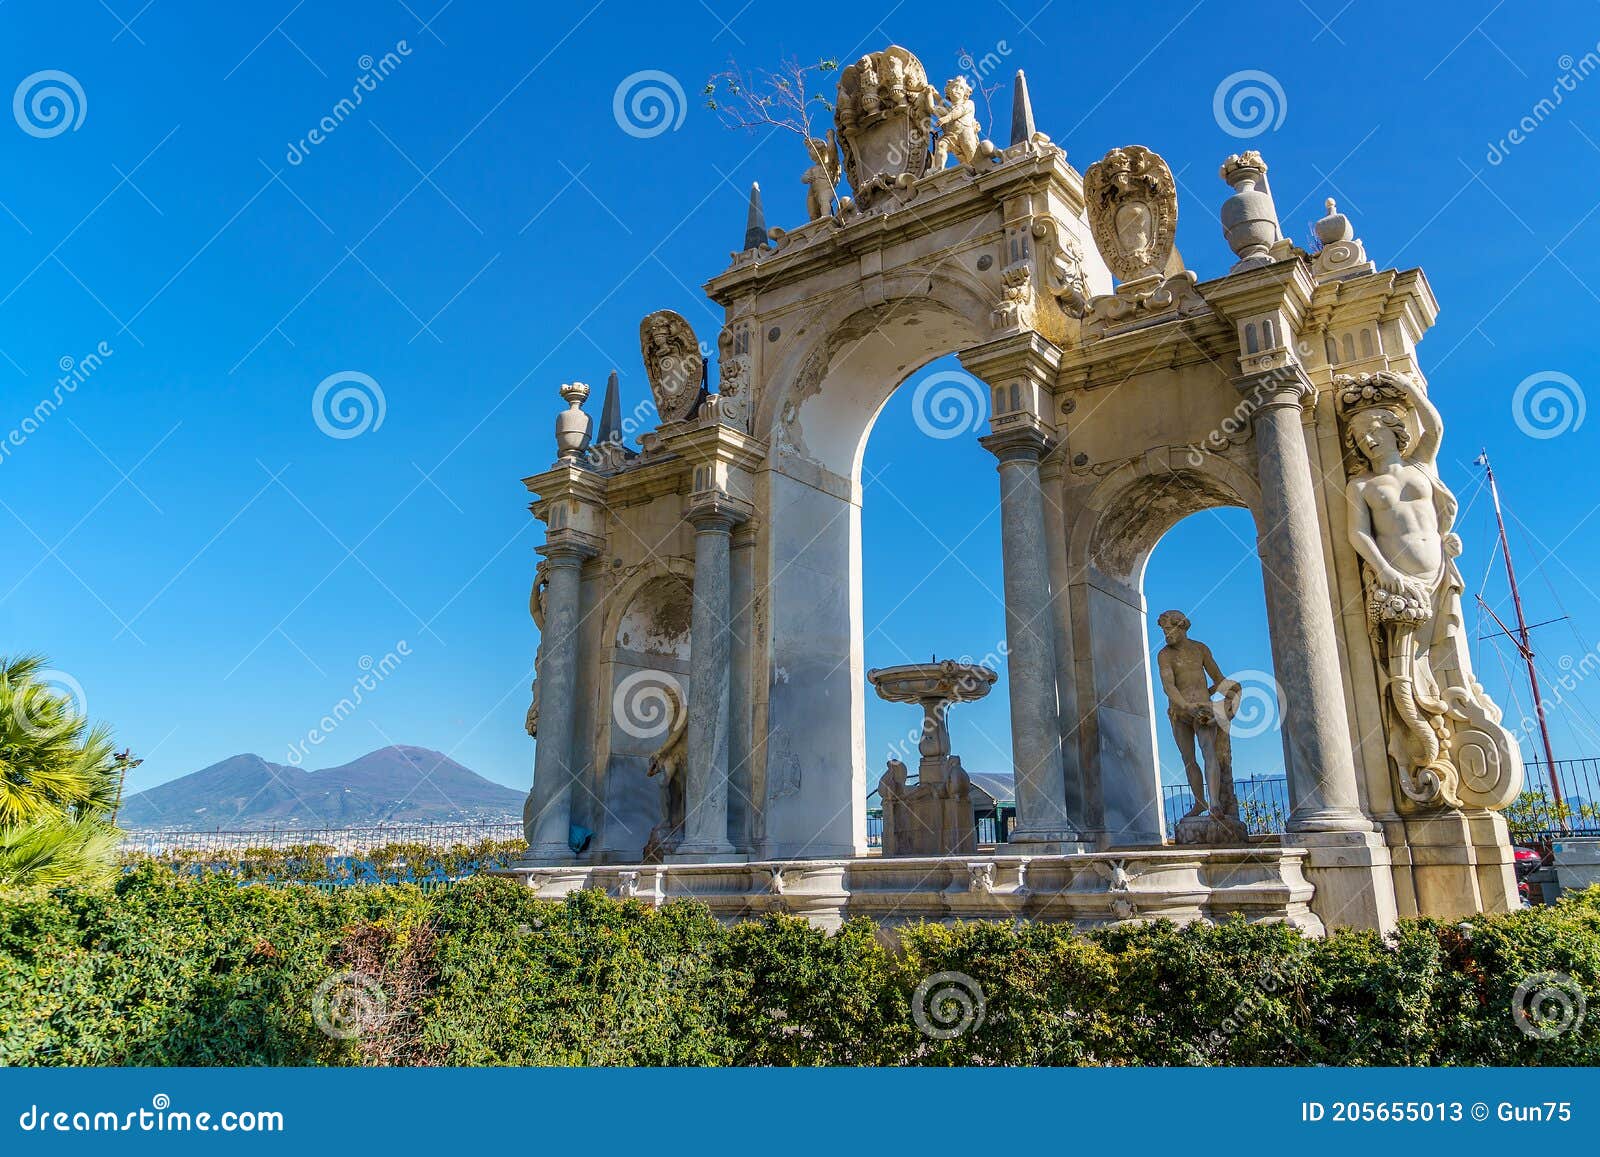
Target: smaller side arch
point(1118, 523)
point(1114, 525)
point(622, 596)
point(644, 643)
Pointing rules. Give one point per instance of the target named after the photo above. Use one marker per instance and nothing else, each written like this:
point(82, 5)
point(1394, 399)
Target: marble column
point(1305, 656)
point(1042, 823)
point(705, 800)
point(547, 816)
point(741, 807)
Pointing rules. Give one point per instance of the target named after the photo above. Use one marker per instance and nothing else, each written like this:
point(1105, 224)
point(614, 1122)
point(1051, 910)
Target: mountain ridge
point(393, 785)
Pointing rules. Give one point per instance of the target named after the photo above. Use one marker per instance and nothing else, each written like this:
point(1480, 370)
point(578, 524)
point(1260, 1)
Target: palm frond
point(51, 853)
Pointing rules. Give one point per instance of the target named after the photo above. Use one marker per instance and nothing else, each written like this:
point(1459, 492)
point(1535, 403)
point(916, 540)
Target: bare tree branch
point(777, 98)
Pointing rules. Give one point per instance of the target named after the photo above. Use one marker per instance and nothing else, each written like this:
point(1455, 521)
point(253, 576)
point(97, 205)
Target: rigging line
point(1511, 686)
point(1531, 626)
point(1555, 678)
point(1494, 553)
point(1483, 481)
point(1516, 640)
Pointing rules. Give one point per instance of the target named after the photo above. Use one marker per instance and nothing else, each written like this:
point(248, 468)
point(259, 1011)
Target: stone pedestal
point(1211, 829)
point(1264, 883)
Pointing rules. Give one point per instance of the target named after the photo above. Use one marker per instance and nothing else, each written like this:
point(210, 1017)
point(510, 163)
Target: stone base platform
point(1261, 883)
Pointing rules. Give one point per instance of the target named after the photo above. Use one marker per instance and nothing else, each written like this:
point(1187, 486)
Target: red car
point(1527, 862)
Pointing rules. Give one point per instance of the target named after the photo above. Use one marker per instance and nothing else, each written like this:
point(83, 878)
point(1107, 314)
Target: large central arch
point(813, 713)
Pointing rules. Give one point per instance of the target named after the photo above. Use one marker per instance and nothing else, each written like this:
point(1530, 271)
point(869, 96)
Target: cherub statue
point(957, 122)
point(822, 178)
point(1190, 676)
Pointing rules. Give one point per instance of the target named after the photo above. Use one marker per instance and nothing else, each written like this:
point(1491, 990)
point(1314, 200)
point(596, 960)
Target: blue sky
point(211, 567)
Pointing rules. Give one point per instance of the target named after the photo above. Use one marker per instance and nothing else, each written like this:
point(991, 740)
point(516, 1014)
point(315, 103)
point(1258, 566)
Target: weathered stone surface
point(1114, 411)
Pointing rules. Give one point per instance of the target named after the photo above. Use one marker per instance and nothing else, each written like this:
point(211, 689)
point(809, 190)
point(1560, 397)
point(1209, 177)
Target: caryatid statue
point(1444, 732)
point(1190, 676)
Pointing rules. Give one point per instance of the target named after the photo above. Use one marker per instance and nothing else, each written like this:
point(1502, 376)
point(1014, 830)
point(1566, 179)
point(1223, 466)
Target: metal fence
point(344, 841)
point(430, 856)
point(1535, 816)
point(994, 827)
point(1263, 803)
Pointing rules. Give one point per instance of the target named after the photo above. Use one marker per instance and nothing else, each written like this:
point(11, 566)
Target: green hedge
point(167, 970)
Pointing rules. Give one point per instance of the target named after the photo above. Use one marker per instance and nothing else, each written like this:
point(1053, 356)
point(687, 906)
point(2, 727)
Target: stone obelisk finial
point(755, 222)
point(1022, 129)
point(611, 412)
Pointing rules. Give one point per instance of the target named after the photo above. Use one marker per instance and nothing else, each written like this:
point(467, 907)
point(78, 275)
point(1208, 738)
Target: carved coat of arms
point(672, 362)
point(1133, 211)
point(884, 117)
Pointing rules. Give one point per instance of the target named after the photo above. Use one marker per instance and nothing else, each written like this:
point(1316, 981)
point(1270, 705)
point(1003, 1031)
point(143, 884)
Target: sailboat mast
point(1523, 643)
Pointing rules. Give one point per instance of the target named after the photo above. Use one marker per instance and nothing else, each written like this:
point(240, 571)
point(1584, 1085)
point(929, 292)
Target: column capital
point(569, 547)
point(1018, 443)
point(1283, 387)
point(715, 510)
point(1002, 359)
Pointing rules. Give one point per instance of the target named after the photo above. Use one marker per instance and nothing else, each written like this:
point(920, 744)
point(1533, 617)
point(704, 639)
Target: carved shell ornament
point(672, 362)
point(1133, 211)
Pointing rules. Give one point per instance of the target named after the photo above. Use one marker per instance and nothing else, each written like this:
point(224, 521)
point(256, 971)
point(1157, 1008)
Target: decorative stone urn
point(934, 816)
point(572, 424)
point(1249, 218)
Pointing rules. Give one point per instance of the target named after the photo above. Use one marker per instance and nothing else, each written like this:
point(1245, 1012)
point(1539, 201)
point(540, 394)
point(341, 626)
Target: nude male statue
point(1190, 676)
